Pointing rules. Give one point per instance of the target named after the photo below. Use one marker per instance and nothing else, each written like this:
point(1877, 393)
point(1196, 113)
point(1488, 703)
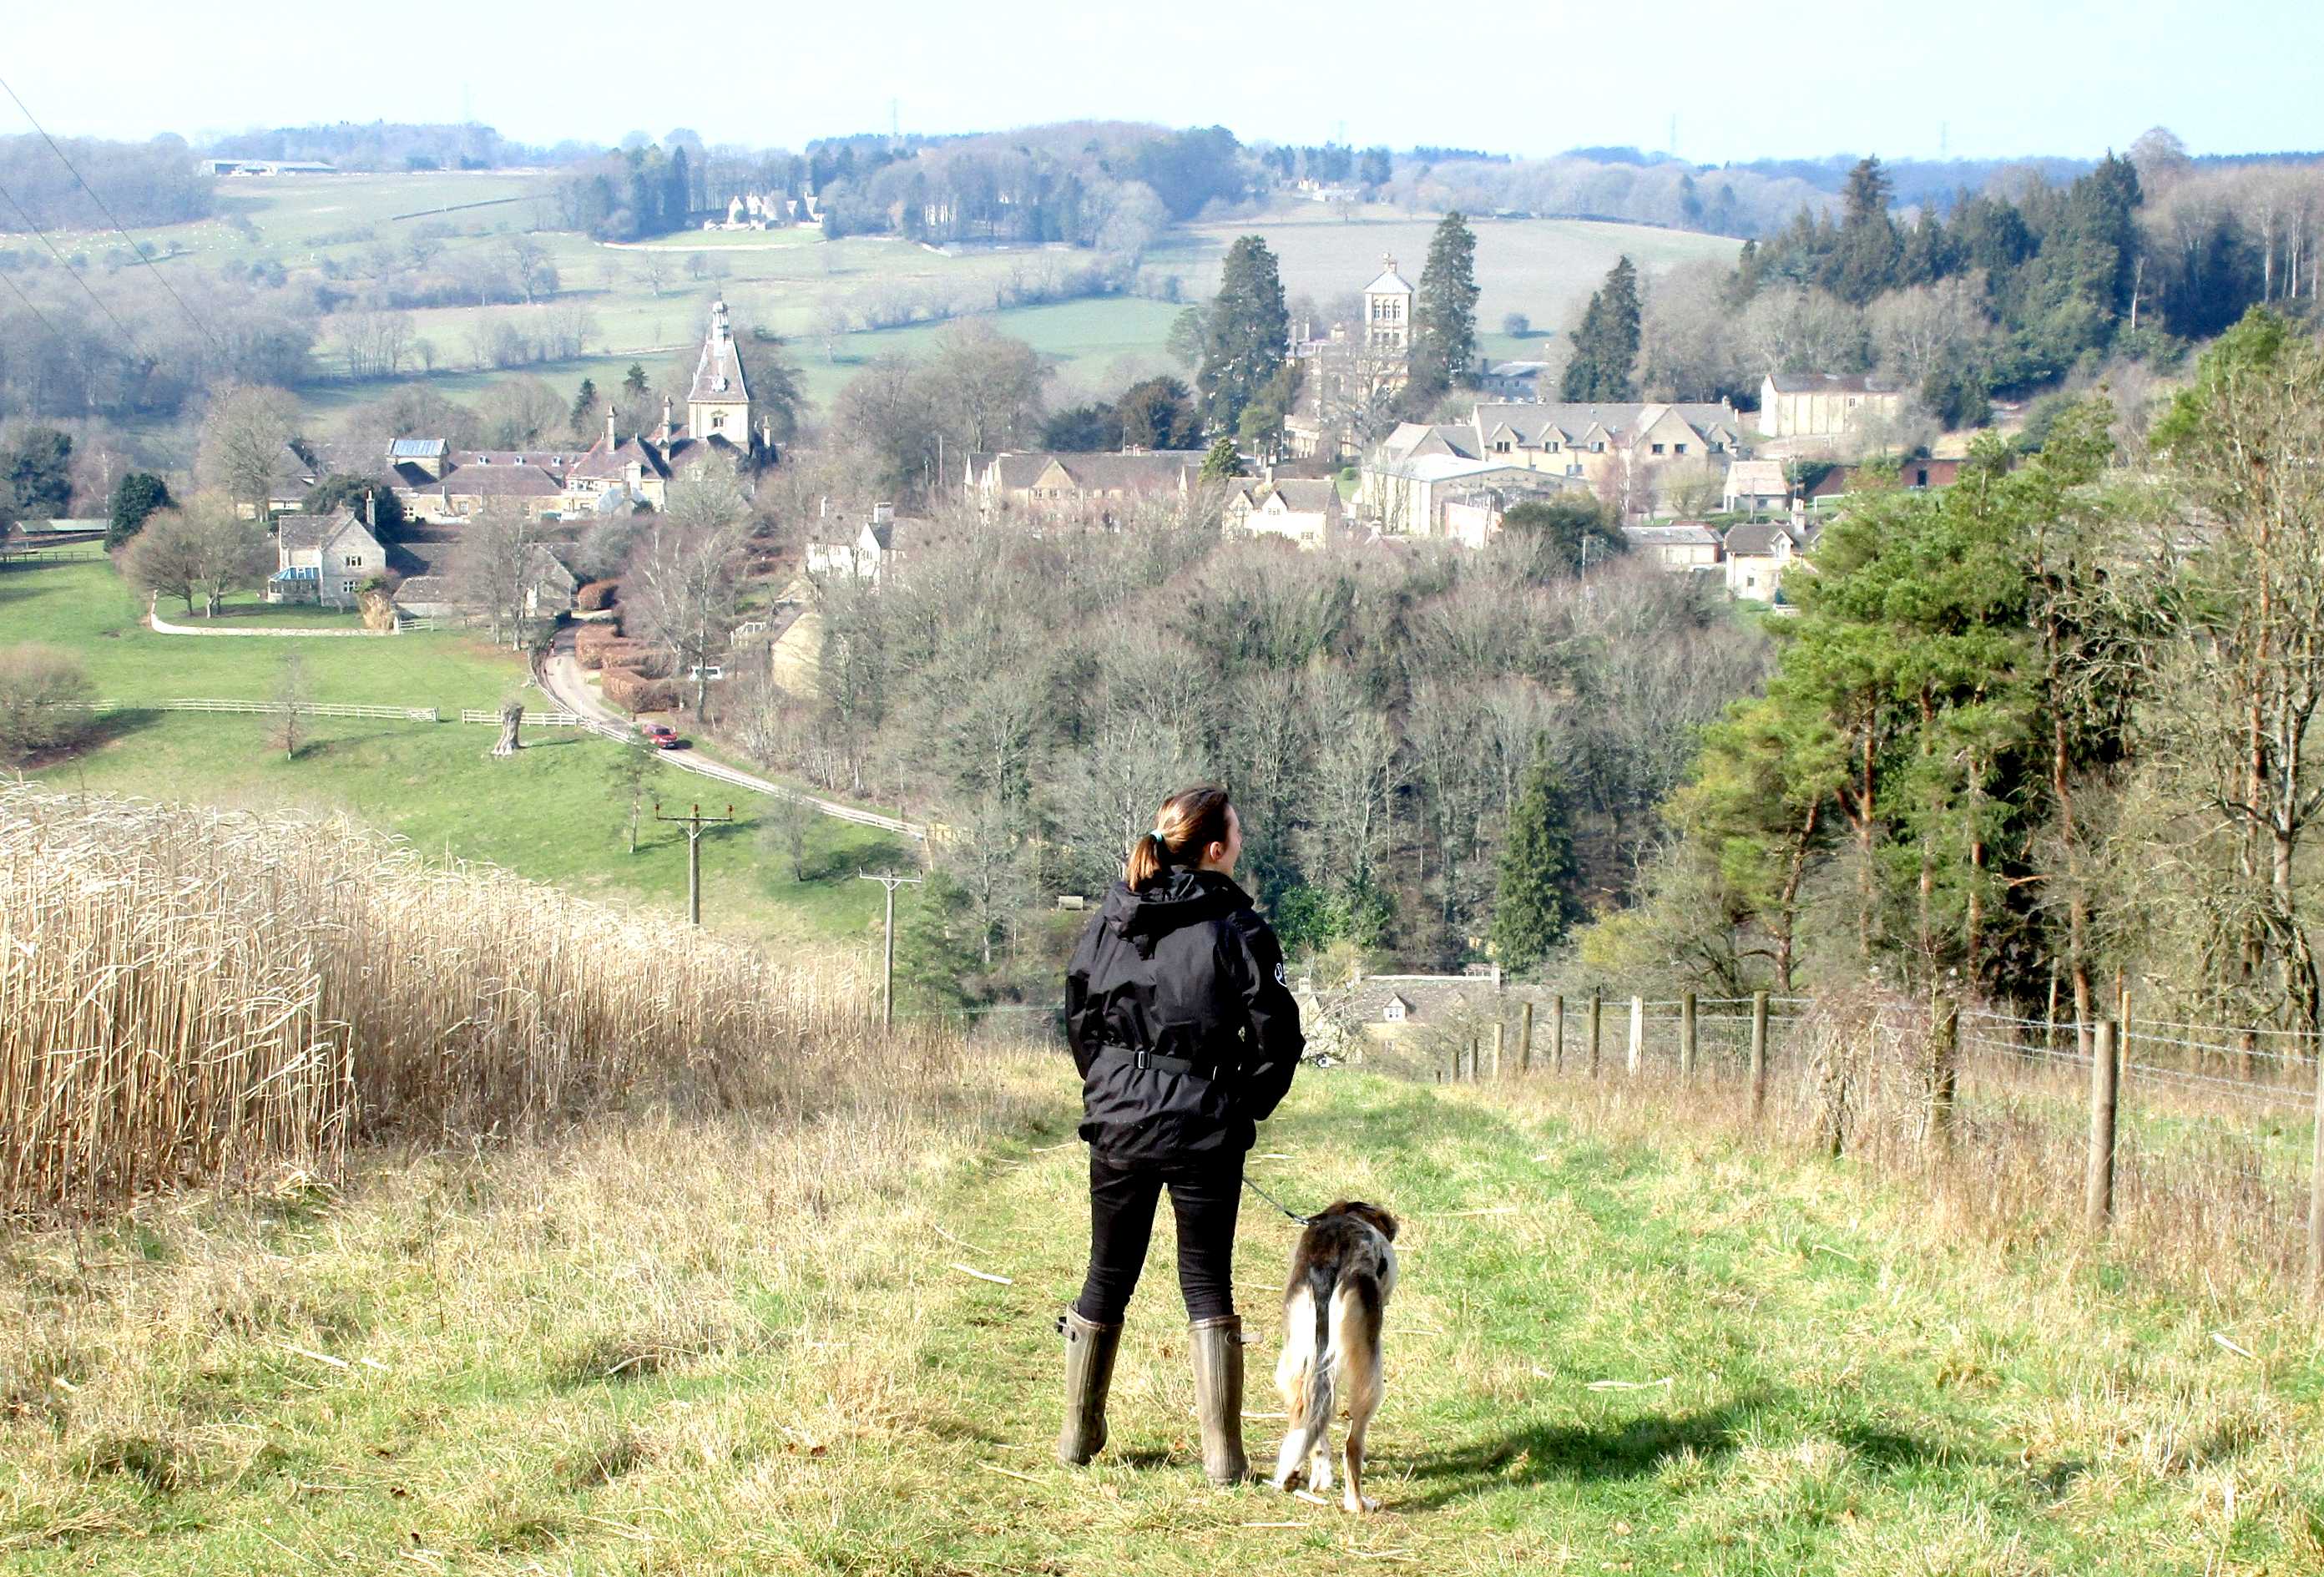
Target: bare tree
point(44, 695)
point(244, 445)
point(531, 268)
point(683, 580)
point(987, 387)
point(375, 344)
point(494, 566)
point(288, 728)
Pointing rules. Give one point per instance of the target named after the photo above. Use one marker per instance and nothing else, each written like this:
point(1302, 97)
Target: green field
point(753, 1345)
point(545, 814)
point(785, 281)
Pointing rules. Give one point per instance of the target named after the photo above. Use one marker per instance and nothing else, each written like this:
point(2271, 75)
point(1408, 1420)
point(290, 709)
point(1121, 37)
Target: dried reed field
point(191, 995)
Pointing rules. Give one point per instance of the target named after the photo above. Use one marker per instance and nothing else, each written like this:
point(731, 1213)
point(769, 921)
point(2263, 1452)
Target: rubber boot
point(1218, 1397)
point(1089, 1375)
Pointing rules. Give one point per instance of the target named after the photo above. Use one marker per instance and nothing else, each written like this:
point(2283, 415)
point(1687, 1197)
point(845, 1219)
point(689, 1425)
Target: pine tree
point(1535, 904)
point(1250, 333)
point(1222, 462)
point(1444, 319)
point(136, 497)
point(585, 404)
point(1606, 345)
point(634, 380)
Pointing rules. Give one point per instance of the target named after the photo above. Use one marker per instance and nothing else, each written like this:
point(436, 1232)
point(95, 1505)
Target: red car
point(660, 735)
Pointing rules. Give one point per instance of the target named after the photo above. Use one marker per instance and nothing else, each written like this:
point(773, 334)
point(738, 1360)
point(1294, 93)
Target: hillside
point(549, 814)
point(742, 1346)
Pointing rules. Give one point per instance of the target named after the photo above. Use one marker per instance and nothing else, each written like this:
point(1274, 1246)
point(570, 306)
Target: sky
point(1781, 79)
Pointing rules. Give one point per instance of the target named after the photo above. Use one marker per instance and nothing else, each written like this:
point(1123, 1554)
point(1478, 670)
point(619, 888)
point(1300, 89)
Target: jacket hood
point(1182, 898)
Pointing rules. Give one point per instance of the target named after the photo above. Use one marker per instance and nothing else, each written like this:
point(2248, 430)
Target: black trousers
point(1205, 1192)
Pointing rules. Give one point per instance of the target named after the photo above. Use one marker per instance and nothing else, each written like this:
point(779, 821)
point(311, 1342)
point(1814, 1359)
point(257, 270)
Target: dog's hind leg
point(1358, 1338)
point(1292, 1379)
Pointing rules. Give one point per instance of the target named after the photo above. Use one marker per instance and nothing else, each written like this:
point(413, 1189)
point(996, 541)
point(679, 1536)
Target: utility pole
point(888, 971)
point(693, 821)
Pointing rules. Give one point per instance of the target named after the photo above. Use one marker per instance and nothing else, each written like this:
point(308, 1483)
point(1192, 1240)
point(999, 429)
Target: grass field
point(1543, 268)
point(784, 280)
point(546, 814)
point(741, 1345)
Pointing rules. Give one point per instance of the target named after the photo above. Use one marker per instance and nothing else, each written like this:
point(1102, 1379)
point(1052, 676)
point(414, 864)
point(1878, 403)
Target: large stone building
point(1351, 376)
point(1304, 511)
point(1824, 405)
point(1634, 456)
point(325, 558)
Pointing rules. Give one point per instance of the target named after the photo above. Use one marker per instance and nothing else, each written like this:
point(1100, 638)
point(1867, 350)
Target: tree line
point(2051, 726)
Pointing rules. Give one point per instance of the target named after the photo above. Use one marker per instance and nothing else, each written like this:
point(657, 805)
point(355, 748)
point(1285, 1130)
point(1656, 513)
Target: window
point(1550, 448)
point(355, 561)
point(1658, 449)
point(1596, 446)
point(717, 420)
point(1501, 447)
point(1678, 449)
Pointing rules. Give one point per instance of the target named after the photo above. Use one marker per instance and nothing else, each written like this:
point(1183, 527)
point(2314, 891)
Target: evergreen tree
point(1250, 333)
point(585, 405)
point(1222, 462)
point(134, 498)
point(37, 468)
point(633, 381)
point(1444, 319)
point(1606, 345)
point(1535, 906)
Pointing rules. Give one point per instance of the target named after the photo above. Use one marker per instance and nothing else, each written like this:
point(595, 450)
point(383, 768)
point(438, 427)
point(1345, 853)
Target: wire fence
point(2193, 1143)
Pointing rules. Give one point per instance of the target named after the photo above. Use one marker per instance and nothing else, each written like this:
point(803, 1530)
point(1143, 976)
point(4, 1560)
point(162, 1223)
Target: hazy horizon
point(2002, 82)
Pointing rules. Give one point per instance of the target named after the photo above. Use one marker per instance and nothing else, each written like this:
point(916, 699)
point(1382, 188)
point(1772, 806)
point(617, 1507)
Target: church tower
point(1388, 309)
point(718, 405)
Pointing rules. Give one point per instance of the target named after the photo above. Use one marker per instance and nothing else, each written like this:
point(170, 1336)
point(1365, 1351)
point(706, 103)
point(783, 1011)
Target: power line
point(135, 249)
point(56, 333)
point(62, 261)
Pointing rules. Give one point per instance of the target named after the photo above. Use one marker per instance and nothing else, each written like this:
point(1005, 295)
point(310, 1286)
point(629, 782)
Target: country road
point(561, 676)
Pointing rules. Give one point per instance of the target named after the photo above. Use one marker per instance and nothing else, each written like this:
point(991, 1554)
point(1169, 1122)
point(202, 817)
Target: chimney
point(882, 513)
point(666, 412)
point(371, 511)
point(610, 444)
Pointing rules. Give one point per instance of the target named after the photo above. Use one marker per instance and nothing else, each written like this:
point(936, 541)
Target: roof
point(492, 477)
point(1311, 495)
point(718, 374)
point(1570, 421)
point(1827, 383)
point(296, 533)
point(1758, 539)
point(1102, 471)
point(426, 588)
point(1411, 440)
point(1677, 534)
point(1758, 477)
point(416, 448)
point(613, 464)
point(1389, 281)
point(1842, 479)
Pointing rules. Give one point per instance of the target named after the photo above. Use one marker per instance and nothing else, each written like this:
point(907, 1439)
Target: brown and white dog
point(1341, 1275)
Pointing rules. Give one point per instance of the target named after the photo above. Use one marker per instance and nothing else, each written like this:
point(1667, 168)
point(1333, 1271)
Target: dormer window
point(1678, 449)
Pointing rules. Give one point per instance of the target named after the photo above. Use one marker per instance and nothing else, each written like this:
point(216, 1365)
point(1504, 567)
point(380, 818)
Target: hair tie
point(1158, 838)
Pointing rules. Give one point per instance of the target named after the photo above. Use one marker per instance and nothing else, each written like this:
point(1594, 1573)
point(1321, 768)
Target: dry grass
point(189, 995)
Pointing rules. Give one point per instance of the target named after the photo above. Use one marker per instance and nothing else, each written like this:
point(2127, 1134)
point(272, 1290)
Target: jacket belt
point(1142, 1058)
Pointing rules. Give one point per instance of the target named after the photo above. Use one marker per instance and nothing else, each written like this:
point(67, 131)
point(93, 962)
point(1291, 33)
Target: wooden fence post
point(2097, 1206)
point(2316, 1193)
point(1759, 1055)
point(1686, 1043)
point(1497, 1028)
point(1638, 1034)
point(1943, 1073)
point(1525, 1038)
point(1557, 1034)
point(1597, 1020)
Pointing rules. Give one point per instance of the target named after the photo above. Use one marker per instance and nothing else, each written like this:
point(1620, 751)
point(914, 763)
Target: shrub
point(634, 692)
point(43, 692)
point(597, 597)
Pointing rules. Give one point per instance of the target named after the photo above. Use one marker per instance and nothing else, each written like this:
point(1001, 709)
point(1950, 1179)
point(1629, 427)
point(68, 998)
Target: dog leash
point(1287, 1213)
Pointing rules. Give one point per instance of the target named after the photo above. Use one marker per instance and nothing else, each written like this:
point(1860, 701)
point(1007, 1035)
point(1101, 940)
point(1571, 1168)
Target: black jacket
point(1184, 1030)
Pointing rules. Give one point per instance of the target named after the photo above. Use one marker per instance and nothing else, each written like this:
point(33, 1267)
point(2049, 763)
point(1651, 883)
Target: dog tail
point(1323, 1281)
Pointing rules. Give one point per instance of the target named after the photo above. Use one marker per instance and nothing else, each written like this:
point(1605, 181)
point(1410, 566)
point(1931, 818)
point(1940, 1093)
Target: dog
point(1341, 1275)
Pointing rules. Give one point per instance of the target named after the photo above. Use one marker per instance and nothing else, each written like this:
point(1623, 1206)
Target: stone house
point(1095, 485)
point(1824, 405)
point(1680, 547)
point(1305, 510)
point(323, 558)
point(867, 555)
point(1755, 484)
point(1757, 553)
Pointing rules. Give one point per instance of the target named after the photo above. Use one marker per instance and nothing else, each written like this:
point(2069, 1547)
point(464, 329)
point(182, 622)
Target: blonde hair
point(1189, 822)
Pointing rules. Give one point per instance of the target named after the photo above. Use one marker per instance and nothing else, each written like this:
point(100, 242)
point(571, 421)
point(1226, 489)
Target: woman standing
point(1186, 1038)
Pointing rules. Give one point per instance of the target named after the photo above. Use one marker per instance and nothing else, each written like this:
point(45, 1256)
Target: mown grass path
point(690, 1353)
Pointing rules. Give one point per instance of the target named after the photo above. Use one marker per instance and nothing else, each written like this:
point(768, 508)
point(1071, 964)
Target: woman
point(1186, 1038)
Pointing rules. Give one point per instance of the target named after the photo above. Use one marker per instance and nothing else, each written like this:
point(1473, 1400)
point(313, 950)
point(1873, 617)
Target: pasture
point(546, 814)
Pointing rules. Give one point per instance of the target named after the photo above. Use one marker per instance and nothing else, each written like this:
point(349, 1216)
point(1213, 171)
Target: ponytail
point(1189, 822)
